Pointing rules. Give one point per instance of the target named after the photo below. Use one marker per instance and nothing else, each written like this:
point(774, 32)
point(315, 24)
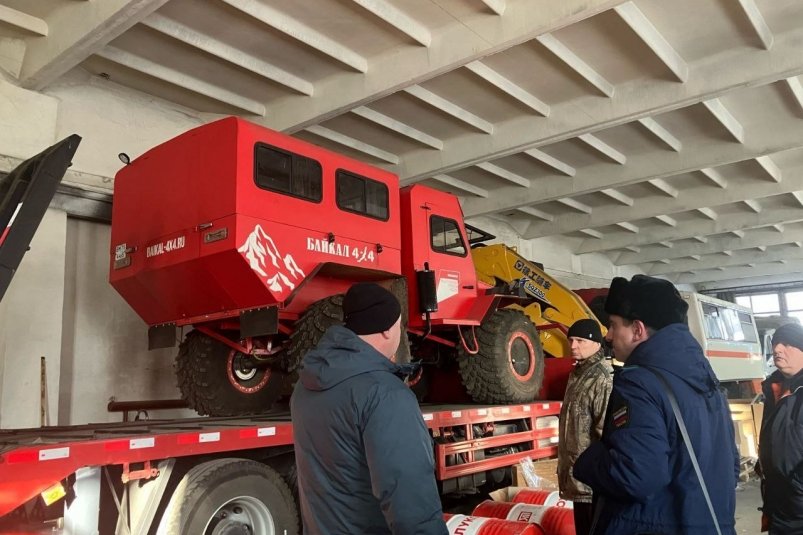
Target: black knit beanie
point(790, 334)
point(587, 328)
point(656, 302)
point(368, 308)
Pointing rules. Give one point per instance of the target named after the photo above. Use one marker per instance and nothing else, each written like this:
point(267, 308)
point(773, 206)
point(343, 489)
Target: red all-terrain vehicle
point(251, 237)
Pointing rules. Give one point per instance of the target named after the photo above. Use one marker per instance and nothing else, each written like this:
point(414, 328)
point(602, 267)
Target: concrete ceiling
point(667, 135)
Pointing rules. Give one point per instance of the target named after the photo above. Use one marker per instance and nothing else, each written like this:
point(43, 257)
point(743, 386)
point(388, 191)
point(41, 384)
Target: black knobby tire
point(237, 491)
point(309, 329)
point(509, 367)
point(202, 369)
point(597, 306)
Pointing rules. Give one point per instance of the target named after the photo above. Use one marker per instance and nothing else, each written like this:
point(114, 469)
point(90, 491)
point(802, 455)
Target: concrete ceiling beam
point(75, 32)
point(618, 196)
point(449, 108)
point(739, 258)
point(725, 118)
point(472, 36)
point(552, 162)
point(757, 20)
point(398, 19)
point(186, 81)
point(504, 174)
point(661, 133)
point(227, 53)
point(688, 229)
point(461, 185)
point(715, 176)
point(23, 21)
point(398, 127)
point(574, 61)
point(603, 148)
point(535, 212)
point(732, 276)
point(292, 27)
point(716, 244)
point(648, 33)
point(356, 144)
point(737, 69)
point(508, 87)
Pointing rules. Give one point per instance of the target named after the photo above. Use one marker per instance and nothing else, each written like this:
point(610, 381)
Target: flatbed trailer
point(123, 477)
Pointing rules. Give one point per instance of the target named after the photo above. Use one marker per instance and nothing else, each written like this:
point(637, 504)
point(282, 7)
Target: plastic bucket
point(474, 525)
point(552, 520)
point(542, 497)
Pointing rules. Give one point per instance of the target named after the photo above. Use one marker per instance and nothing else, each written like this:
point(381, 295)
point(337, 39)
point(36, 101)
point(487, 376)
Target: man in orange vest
point(781, 440)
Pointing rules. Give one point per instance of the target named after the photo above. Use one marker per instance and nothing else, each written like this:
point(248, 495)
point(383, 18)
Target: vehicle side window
point(445, 236)
point(361, 195)
point(287, 173)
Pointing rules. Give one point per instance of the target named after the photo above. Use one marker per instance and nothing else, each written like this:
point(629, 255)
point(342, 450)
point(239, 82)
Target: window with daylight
point(361, 195)
point(287, 173)
point(723, 323)
point(445, 236)
point(762, 304)
point(794, 304)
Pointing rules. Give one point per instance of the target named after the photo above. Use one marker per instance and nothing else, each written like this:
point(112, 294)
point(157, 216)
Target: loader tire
point(231, 496)
point(213, 385)
point(509, 367)
point(309, 329)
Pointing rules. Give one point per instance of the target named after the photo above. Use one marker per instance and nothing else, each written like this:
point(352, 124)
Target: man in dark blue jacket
point(641, 473)
point(363, 454)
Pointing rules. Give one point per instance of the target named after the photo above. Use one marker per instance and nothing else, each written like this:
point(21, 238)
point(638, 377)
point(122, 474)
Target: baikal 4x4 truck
point(251, 237)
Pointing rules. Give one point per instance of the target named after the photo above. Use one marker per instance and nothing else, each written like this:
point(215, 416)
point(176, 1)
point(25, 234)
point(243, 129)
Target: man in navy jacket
point(641, 472)
point(364, 456)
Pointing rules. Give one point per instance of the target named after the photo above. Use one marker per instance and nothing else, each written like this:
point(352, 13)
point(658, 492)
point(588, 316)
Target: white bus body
point(727, 332)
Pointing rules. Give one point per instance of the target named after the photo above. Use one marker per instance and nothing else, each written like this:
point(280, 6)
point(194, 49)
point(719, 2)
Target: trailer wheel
point(215, 380)
point(309, 329)
point(509, 367)
point(230, 496)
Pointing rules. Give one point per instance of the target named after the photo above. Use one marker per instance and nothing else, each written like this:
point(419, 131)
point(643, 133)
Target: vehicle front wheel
point(509, 366)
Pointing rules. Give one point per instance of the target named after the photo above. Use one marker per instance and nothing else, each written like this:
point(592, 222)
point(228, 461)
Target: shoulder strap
point(682, 426)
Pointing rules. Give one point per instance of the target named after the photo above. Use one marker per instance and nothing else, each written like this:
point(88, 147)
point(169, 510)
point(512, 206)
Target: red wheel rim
point(522, 338)
point(235, 382)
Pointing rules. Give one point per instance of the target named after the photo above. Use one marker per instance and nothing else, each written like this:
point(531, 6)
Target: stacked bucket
point(532, 512)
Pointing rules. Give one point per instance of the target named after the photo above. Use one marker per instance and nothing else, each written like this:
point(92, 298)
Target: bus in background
point(727, 332)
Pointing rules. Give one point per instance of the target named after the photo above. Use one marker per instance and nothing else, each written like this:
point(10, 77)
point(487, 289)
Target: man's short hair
point(655, 302)
point(368, 308)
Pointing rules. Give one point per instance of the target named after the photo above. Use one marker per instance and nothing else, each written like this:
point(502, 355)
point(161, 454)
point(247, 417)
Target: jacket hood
point(340, 355)
point(674, 350)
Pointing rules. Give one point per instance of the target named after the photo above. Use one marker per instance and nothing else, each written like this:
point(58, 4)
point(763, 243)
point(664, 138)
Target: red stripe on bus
point(728, 354)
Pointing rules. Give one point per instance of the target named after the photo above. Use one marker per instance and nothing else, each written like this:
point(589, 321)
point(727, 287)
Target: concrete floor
point(748, 500)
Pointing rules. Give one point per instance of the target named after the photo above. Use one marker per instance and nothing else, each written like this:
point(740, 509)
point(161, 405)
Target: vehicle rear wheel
point(217, 380)
point(309, 329)
point(230, 496)
point(509, 367)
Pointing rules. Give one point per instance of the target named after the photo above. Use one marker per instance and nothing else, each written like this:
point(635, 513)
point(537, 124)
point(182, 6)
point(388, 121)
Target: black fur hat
point(656, 302)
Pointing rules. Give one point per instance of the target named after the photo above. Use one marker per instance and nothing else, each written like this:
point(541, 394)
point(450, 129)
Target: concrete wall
point(60, 305)
point(104, 350)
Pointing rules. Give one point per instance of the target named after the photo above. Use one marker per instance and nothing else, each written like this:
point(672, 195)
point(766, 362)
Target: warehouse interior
point(601, 138)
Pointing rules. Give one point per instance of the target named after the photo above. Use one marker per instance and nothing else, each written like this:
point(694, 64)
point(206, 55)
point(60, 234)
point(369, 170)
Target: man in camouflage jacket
point(582, 414)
